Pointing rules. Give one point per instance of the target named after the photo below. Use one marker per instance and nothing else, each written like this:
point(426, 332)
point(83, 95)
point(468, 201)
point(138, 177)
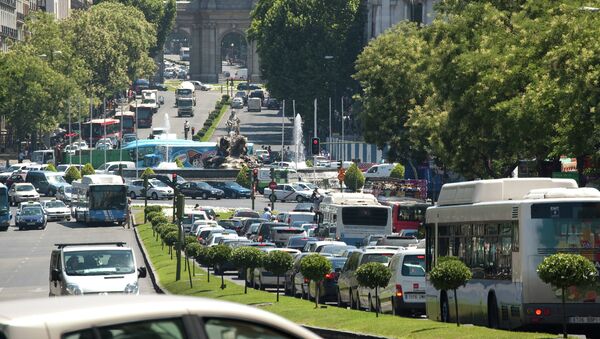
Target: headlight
point(131, 288)
point(73, 289)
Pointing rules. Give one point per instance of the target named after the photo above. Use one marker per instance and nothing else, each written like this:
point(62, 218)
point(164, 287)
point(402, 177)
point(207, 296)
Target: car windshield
point(158, 183)
point(25, 188)
point(63, 168)
point(68, 189)
point(234, 185)
point(99, 262)
point(54, 204)
point(102, 167)
point(376, 257)
point(32, 211)
point(203, 185)
point(333, 249)
point(56, 179)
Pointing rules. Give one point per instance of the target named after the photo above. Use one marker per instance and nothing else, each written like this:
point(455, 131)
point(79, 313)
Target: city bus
point(99, 199)
point(151, 152)
point(5, 215)
point(144, 114)
point(407, 214)
point(101, 128)
point(128, 121)
point(350, 217)
point(502, 229)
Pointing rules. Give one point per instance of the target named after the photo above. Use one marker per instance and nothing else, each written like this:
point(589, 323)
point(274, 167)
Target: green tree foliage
point(153, 215)
point(51, 168)
point(72, 174)
point(450, 274)
point(245, 258)
point(220, 254)
point(294, 36)
point(203, 258)
point(171, 238)
point(397, 172)
point(179, 163)
point(354, 178)
point(114, 41)
point(148, 171)
point(314, 267)
point(243, 177)
point(373, 275)
point(278, 262)
point(153, 208)
point(87, 169)
point(563, 270)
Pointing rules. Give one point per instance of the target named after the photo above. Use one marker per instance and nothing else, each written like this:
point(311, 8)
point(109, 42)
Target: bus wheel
point(444, 308)
point(493, 319)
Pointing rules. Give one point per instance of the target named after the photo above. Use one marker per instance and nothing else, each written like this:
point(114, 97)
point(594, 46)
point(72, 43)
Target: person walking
point(128, 213)
point(193, 132)
point(266, 214)
point(186, 129)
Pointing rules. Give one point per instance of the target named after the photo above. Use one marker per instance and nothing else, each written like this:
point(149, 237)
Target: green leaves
point(247, 257)
point(315, 266)
point(397, 172)
point(87, 169)
point(148, 171)
point(72, 174)
point(243, 177)
point(354, 178)
point(219, 254)
point(562, 270)
point(278, 262)
point(449, 274)
point(373, 275)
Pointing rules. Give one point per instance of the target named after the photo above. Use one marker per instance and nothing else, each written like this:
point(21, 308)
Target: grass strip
point(303, 311)
point(214, 124)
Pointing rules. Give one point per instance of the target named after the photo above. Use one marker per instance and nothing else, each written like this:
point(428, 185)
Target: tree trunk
point(185, 267)
point(318, 289)
point(208, 273)
point(456, 308)
point(171, 252)
point(194, 267)
point(564, 314)
point(187, 262)
point(376, 303)
point(245, 282)
point(223, 280)
point(277, 288)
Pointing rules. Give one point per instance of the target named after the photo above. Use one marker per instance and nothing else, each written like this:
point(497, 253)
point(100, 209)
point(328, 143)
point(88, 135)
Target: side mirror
point(55, 274)
point(37, 189)
point(10, 217)
point(142, 272)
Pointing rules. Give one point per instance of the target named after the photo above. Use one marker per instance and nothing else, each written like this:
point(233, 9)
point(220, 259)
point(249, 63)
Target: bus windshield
point(108, 197)
point(144, 112)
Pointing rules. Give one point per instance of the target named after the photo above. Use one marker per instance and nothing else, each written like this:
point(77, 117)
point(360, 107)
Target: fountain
point(298, 142)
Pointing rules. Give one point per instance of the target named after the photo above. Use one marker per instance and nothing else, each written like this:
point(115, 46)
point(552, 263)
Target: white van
point(241, 74)
point(112, 167)
point(254, 105)
point(189, 217)
point(379, 171)
point(94, 268)
point(405, 292)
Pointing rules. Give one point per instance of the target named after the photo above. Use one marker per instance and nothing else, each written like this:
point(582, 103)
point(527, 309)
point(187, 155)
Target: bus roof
point(170, 142)
point(472, 192)
point(186, 85)
point(127, 113)
point(102, 122)
point(351, 199)
point(101, 179)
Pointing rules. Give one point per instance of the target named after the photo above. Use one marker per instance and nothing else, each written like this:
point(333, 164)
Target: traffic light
point(272, 173)
point(174, 179)
point(255, 174)
point(339, 164)
point(316, 146)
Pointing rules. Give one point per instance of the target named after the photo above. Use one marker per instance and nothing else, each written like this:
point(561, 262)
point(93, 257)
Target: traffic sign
point(272, 185)
point(272, 197)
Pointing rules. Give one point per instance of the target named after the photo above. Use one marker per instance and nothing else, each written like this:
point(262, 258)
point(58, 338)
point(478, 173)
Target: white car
point(283, 164)
point(71, 149)
point(81, 144)
point(65, 193)
point(288, 192)
point(56, 210)
point(200, 86)
point(237, 102)
point(156, 189)
point(262, 278)
point(141, 316)
point(22, 191)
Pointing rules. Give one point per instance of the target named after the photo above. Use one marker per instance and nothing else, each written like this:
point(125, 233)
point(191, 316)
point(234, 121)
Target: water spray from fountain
point(298, 139)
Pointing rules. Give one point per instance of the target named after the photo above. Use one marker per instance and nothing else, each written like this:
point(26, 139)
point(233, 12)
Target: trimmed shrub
point(87, 169)
point(225, 98)
point(354, 179)
point(220, 254)
point(397, 172)
point(148, 171)
point(245, 258)
point(278, 262)
point(72, 174)
point(51, 168)
point(314, 267)
point(171, 238)
point(153, 215)
point(243, 177)
point(153, 208)
point(373, 275)
point(450, 274)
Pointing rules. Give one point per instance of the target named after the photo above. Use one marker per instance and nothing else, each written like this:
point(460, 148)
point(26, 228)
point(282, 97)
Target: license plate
point(30, 224)
point(584, 320)
point(414, 297)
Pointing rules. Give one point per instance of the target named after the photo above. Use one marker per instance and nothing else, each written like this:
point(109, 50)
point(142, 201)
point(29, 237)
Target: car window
point(24, 188)
point(413, 266)
point(156, 328)
point(229, 328)
point(54, 204)
point(32, 211)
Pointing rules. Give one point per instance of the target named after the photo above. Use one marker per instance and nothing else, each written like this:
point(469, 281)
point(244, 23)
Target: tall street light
point(328, 58)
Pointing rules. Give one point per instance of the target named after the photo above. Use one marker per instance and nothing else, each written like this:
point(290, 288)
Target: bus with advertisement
point(144, 114)
point(99, 199)
point(502, 229)
point(128, 118)
point(101, 128)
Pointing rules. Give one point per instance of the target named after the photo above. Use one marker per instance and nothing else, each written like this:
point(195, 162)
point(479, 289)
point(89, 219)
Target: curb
point(149, 267)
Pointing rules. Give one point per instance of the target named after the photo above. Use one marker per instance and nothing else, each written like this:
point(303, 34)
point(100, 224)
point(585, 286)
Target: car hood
point(58, 210)
point(103, 283)
point(33, 193)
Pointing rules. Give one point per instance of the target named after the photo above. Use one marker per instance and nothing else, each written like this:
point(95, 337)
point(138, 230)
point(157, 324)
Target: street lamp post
point(328, 58)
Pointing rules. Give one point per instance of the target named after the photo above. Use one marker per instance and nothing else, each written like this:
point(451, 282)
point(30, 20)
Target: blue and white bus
point(502, 229)
point(5, 215)
point(99, 199)
point(151, 152)
point(354, 216)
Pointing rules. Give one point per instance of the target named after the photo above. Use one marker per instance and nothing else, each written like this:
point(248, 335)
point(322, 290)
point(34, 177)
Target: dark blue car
point(232, 189)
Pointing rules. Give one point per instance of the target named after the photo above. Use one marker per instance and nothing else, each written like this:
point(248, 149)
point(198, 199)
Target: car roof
point(94, 248)
point(380, 251)
point(55, 316)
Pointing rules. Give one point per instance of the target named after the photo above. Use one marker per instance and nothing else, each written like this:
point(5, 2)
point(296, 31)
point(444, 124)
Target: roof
point(54, 316)
point(350, 199)
point(101, 179)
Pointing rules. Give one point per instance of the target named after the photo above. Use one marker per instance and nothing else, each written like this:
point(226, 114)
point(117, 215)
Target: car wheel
point(299, 198)
point(20, 228)
point(204, 196)
point(132, 195)
point(234, 195)
point(154, 196)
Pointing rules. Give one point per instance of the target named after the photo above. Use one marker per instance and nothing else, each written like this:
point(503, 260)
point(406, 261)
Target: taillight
point(398, 290)
point(306, 280)
point(330, 276)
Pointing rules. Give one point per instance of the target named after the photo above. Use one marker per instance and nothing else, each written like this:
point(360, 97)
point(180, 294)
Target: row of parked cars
point(158, 188)
point(290, 232)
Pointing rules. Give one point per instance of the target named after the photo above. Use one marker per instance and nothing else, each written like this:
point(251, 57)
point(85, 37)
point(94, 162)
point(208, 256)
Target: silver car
point(22, 191)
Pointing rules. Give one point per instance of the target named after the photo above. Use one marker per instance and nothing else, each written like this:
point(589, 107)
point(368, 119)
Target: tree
point(245, 258)
point(293, 37)
point(219, 255)
point(204, 258)
point(51, 168)
point(314, 267)
point(563, 270)
point(147, 172)
point(243, 177)
point(397, 172)
point(278, 262)
point(72, 174)
point(171, 238)
point(450, 274)
point(191, 251)
point(179, 163)
point(354, 178)
point(373, 275)
point(87, 169)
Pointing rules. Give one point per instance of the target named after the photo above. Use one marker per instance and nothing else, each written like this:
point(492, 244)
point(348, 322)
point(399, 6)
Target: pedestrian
point(266, 214)
point(21, 156)
point(186, 128)
point(128, 213)
point(193, 131)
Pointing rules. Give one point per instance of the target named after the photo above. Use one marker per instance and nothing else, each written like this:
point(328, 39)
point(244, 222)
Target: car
point(30, 215)
point(245, 213)
point(81, 144)
point(265, 233)
point(251, 231)
point(56, 210)
point(22, 191)
point(281, 234)
point(201, 224)
point(334, 249)
point(46, 182)
point(15, 177)
point(262, 278)
point(244, 86)
point(262, 155)
point(303, 207)
point(315, 246)
point(243, 95)
point(200, 189)
point(397, 240)
point(189, 217)
point(328, 286)
point(298, 241)
point(282, 165)
point(105, 142)
point(65, 193)
point(63, 168)
point(288, 192)
point(71, 149)
point(231, 189)
point(292, 218)
point(273, 103)
point(159, 86)
point(237, 102)
point(203, 233)
point(246, 222)
point(230, 224)
point(143, 316)
point(214, 238)
point(294, 282)
point(128, 137)
point(93, 269)
point(257, 93)
point(200, 86)
point(168, 179)
point(156, 189)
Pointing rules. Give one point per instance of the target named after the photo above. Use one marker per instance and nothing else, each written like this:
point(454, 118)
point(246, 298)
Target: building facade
point(383, 14)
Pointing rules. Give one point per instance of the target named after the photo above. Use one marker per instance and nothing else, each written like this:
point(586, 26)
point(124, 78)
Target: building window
point(416, 12)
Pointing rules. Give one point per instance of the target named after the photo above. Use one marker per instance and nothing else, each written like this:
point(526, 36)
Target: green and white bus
point(502, 230)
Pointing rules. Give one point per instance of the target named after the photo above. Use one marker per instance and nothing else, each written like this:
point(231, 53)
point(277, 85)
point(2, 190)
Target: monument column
point(208, 73)
point(195, 52)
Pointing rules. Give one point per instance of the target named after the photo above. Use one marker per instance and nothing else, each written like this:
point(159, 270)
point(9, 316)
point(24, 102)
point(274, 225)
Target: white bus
point(354, 216)
point(502, 229)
